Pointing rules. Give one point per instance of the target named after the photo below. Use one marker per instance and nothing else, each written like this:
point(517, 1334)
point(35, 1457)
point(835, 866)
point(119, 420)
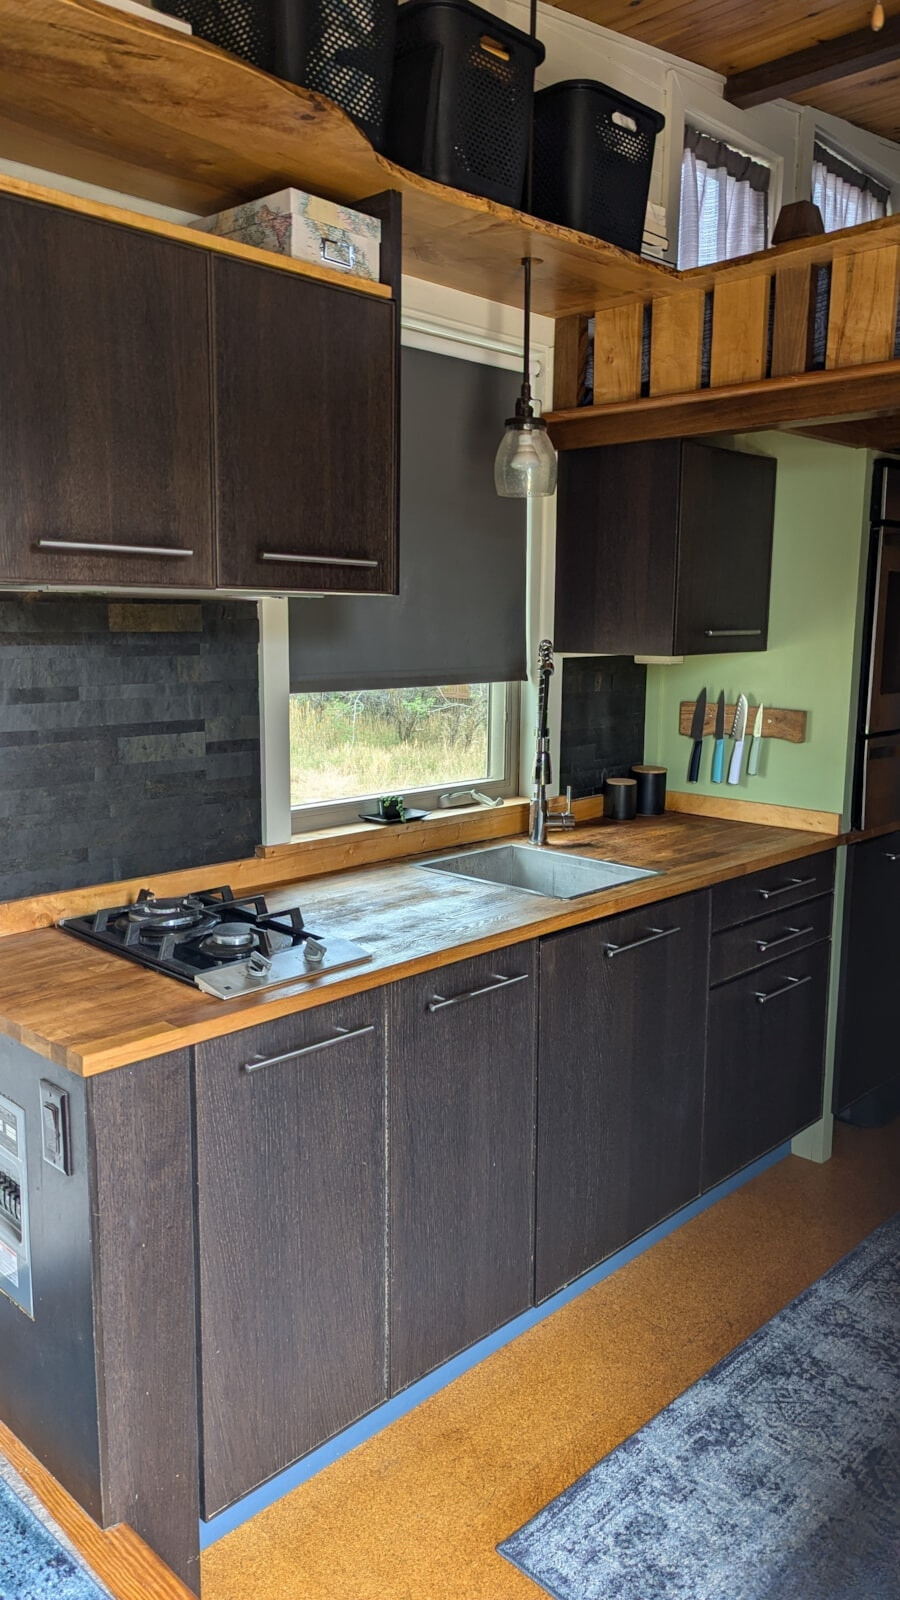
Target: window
point(724, 202)
point(353, 746)
point(844, 194)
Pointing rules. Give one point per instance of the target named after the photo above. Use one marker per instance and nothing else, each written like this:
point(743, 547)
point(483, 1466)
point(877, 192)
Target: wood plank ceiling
point(734, 36)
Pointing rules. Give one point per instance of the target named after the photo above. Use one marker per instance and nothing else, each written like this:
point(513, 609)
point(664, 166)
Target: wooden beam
point(825, 62)
point(809, 397)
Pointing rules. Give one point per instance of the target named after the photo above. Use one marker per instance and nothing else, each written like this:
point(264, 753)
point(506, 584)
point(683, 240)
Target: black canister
point(620, 799)
point(651, 790)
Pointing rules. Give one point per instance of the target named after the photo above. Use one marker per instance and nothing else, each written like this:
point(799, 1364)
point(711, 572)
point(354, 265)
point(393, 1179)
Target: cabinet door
point(725, 550)
point(765, 1060)
point(462, 1155)
point(868, 1052)
point(291, 1223)
point(620, 1082)
point(306, 438)
point(105, 455)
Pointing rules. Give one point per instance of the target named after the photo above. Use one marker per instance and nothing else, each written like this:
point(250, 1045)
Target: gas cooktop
point(224, 946)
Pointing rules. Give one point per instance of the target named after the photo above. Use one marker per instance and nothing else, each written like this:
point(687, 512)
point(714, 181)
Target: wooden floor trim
point(119, 1558)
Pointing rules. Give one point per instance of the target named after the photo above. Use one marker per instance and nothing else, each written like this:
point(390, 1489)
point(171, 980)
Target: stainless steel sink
point(557, 874)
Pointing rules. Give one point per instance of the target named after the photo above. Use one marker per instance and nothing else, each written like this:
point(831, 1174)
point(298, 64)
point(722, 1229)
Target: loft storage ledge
point(111, 99)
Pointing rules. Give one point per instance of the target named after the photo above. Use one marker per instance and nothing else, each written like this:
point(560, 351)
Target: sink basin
point(557, 874)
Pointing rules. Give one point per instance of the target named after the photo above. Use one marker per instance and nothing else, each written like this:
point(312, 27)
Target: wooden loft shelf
point(797, 336)
point(109, 98)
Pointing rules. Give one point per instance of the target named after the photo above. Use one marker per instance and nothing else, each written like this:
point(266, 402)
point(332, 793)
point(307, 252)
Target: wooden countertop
point(91, 1011)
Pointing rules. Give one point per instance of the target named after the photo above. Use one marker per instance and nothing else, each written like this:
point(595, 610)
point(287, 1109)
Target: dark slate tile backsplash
point(602, 734)
point(129, 738)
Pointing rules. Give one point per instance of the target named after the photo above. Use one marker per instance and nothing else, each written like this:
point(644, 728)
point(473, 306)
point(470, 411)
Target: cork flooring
point(416, 1513)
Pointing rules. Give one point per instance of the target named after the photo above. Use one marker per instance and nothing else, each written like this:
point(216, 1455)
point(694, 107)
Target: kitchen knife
point(755, 744)
point(718, 771)
point(738, 729)
point(697, 723)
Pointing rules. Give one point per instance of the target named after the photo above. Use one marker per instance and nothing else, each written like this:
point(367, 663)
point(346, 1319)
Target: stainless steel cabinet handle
point(892, 855)
point(173, 552)
point(340, 1035)
point(792, 883)
point(792, 933)
point(314, 561)
point(437, 1001)
point(650, 938)
point(789, 987)
point(732, 633)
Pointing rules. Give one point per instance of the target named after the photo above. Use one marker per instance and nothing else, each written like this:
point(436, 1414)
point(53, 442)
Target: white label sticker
point(9, 1264)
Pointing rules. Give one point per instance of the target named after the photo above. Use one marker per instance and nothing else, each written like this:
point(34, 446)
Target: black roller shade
point(460, 614)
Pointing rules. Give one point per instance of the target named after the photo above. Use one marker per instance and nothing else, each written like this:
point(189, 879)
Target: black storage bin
point(593, 151)
point(461, 97)
point(341, 48)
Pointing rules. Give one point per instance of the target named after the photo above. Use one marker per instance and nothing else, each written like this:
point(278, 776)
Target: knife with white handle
point(738, 729)
point(755, 744)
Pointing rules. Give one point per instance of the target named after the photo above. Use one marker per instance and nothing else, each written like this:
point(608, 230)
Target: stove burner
point(166, 915)
point(229, 939)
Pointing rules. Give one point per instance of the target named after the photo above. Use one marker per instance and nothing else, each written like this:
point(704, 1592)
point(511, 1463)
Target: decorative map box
point(293, 223)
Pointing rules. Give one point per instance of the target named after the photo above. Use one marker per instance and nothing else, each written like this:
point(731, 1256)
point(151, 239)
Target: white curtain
point(844, 195)
point(724, 202)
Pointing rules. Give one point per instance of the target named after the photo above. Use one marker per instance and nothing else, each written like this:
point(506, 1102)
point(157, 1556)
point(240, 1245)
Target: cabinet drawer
point(773, 890)
point(781, 933)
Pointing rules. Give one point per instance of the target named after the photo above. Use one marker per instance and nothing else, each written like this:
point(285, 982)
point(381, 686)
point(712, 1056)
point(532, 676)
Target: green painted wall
point(820, 517)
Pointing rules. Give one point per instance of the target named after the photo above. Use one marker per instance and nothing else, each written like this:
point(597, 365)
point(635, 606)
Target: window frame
point(503, 736)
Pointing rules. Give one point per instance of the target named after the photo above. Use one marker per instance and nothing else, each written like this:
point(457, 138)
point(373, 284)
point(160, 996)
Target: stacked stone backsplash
point(129, 738)
point(602, 732)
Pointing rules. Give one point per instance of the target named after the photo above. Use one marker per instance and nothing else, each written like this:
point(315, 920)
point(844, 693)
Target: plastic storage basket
point(342, 48)
point(593, 151)
point(461, 98)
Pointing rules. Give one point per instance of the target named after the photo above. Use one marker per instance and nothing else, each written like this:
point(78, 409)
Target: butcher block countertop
point(90, 1011)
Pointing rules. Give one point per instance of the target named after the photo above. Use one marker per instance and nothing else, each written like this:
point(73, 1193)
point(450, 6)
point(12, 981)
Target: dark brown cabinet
point(462, 1073)
point(291, 1238)
point(663, 548)
point(620, 1082)
point(868, 1053)
point(765, 1060)
point(105, 431)
point(304, 401)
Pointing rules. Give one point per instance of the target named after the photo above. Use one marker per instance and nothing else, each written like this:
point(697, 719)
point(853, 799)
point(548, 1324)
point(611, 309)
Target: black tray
point(411, 816)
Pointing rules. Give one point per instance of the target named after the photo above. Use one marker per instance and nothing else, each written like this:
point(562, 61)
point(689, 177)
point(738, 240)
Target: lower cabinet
point(621, 1053)
point(462, 1074)
point(868, 1054)
point(291, 1238)
point(765, 1060)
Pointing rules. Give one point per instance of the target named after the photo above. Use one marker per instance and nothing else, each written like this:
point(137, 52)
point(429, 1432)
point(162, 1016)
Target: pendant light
point(525, 463)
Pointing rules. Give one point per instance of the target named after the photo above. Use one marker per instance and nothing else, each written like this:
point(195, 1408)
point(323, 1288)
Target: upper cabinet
point(663, 548)
point(104, 404)
point(304, 402)
point(173, 414)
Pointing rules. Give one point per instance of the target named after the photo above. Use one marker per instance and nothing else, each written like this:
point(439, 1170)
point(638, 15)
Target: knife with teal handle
point(718, 767)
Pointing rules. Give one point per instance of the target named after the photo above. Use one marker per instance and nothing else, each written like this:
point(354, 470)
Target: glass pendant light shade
point(525, 463)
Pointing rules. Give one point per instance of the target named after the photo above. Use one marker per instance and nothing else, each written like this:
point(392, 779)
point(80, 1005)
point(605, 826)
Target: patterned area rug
point(776, 1477)
point(37, 1561)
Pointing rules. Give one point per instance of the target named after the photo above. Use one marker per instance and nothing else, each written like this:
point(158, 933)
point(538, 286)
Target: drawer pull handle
point(172, 552)
point(314, 561)
point(792, 883)
point(340, 1035)
point(732, 633)
point(649, 938)
point(437, 1001)
point(892, 855)
point(792, 933)
point(789, 987)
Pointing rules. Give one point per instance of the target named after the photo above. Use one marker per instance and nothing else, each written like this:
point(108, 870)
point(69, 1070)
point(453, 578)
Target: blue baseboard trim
point(301, 1471)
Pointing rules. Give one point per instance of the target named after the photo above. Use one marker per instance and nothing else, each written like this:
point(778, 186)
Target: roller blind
point(460, 614)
